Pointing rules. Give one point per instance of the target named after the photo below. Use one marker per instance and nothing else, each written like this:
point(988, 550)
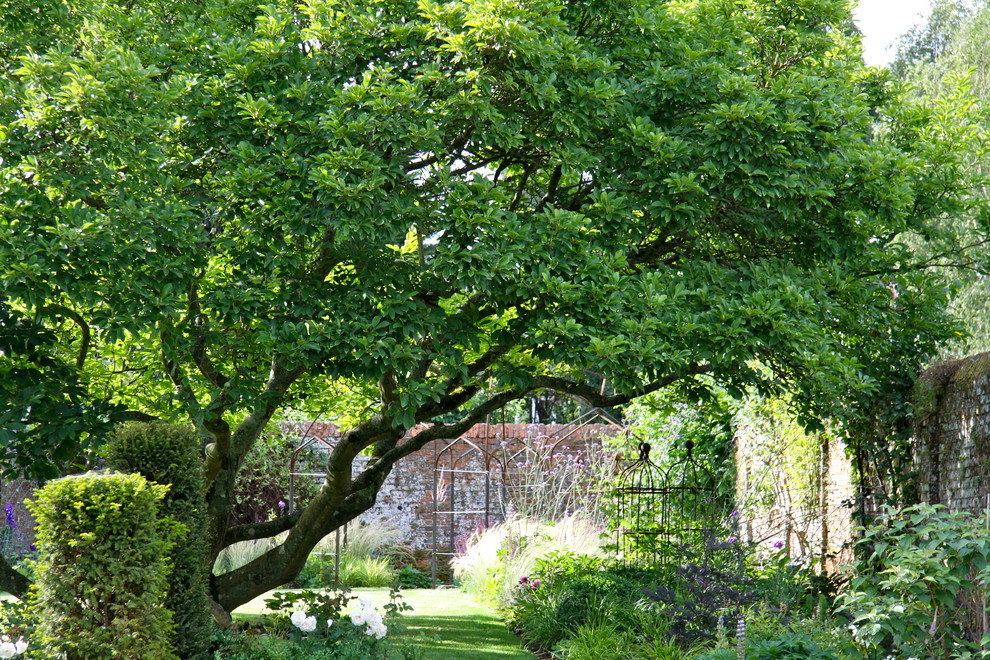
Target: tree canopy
point(433, 209)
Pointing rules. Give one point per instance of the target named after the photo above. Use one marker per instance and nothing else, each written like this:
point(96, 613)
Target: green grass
point(447, 623)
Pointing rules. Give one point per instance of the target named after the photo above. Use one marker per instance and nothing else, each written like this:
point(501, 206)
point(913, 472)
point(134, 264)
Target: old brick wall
point(453, 488)
point(952, 434)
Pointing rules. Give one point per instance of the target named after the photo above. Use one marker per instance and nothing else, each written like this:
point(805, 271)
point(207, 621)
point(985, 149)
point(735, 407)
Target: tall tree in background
point(432, 210)
point(933, 57)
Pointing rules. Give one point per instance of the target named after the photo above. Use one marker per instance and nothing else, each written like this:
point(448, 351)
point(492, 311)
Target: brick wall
point(449, 489)
point(952, 434)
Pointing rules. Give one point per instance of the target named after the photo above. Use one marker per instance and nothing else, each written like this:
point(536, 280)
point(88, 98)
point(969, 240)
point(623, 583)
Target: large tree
point(439, 208)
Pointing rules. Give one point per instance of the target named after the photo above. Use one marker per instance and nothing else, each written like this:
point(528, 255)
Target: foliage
point(565, 592)
point(788, 647)
point(262, 490)
point(547, 481)
point(102, 572)
point(931, 42)
point(410, 577)
point(478, 200)
point(497, 557)
point(239, 554)
point(354, 571)
point(338, 634)
point(695, 595)
point(46, 408)
point(169, 454)
point(920, 583)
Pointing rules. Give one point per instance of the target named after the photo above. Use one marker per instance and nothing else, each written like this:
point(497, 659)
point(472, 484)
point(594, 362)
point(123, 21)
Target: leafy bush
point(788, 647)
point(496, 558)
point(168, 454)
point(410, 577)
point(567, 592)
point(332, 631)
point(694, 596)
point(102, 573)
point(920, 584)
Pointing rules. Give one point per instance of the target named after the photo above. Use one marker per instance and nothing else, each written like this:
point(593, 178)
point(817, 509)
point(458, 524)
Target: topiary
point(169, 454)
point(102, 570)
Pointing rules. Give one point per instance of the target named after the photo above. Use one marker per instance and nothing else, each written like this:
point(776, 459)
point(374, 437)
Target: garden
point(390, 222)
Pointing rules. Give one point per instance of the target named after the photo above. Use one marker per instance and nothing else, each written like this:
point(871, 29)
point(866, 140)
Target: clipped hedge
point(169, 454)
point(102, 571)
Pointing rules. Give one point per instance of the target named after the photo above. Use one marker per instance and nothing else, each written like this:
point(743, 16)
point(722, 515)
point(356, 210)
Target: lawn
point(445, 622)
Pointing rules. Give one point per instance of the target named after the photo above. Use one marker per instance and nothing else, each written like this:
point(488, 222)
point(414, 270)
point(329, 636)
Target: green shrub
point(921, 584)
point(596, 642)
point(102, 572)
point(788, 647)
point(410, 577)
point(365, 571)
point(169, 454)
point(567, 592)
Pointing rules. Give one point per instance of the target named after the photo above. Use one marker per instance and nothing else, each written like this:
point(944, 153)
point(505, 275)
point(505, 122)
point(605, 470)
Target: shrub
point(921, 579)
point(788, 647)
point(335, 629)
point(102, 572)
point(495, 559)
point(567, 592)
point(168, 454)
point(693, 597)
point(410, 577)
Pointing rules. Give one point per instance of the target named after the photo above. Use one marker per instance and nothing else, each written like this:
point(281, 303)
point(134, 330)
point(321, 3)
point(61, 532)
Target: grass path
point(447, 623)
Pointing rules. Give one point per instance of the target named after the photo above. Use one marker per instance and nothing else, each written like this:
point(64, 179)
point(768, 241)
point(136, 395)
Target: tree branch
point(263, 530)
point(83, 327)
point(595, 398)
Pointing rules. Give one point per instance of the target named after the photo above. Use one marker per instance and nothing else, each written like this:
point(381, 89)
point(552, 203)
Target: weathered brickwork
point(472, 479)
point(952, 434)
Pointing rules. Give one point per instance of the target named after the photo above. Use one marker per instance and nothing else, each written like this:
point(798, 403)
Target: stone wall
point(952, 434)
point(446, 491)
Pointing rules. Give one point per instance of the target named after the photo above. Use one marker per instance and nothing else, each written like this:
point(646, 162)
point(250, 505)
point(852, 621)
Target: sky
point(883, 21)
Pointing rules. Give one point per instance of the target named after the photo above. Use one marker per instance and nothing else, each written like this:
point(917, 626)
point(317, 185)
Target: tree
point(433, 210)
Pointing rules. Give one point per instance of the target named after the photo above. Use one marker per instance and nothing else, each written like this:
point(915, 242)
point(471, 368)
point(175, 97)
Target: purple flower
point(524, 580)
point(732, 539)
point(777, 545)
point(9, 510)
point(535, 584)
point(281, 504)
point(734, 514)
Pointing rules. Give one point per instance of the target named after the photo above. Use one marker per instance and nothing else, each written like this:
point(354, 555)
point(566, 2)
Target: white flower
point(7, 650)
point(298, 618)
point(329, 622)
point(20, 645)
point(308, 624)
point(366, 603)
point(359, 617)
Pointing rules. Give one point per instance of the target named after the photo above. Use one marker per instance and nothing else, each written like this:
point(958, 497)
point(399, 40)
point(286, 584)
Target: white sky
point(883, 21)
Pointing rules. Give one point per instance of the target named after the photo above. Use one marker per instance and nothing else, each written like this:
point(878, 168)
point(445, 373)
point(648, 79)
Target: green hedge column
point(102, 571)
point(169, 454)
